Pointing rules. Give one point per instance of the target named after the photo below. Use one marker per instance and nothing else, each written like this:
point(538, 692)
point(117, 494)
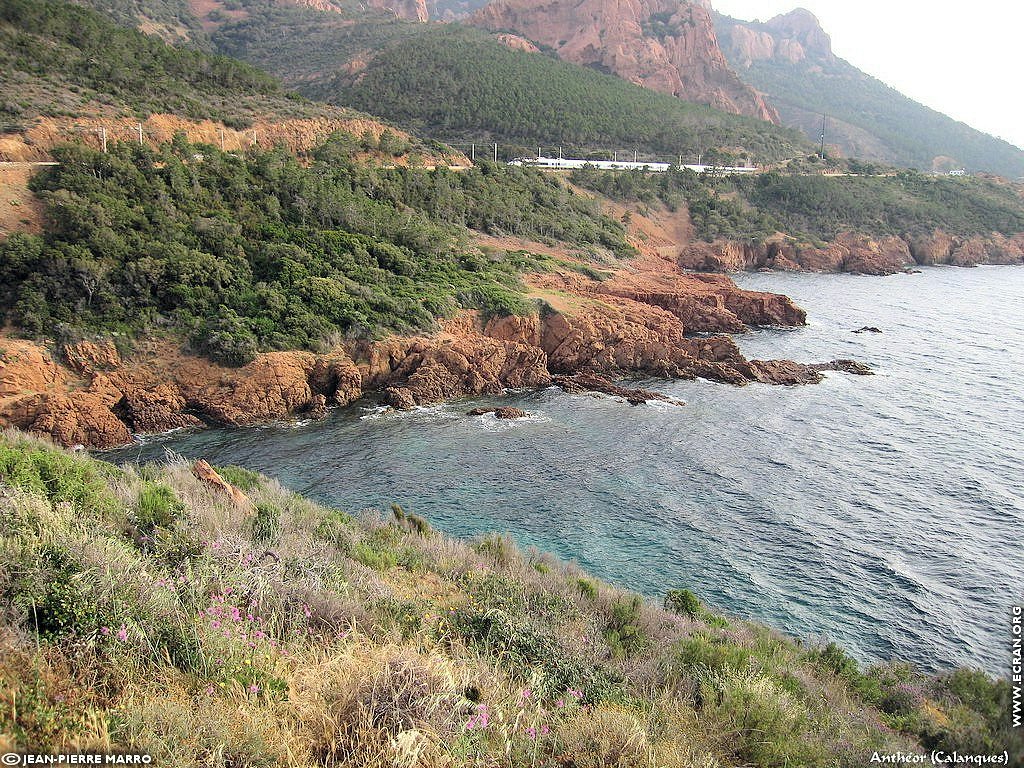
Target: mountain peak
point(803, 26)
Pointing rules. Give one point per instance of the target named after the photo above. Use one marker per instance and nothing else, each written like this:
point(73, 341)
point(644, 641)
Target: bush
point(622, 632)
point(240, 477)
point(159, 506)
point(55, 595)
point(717, 654)
point(587, 588)
point(683, 602)
point(57, 476)
point(380, 559)
point(761, 723)
point(266, 524)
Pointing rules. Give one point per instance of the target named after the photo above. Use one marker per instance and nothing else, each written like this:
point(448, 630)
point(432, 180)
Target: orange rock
point(202, 470)
point(27, 368)
point(79, 418)
point(89, 356)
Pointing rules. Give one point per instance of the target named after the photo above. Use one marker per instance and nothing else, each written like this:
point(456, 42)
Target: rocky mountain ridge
point(790, 59)
point(664, 45)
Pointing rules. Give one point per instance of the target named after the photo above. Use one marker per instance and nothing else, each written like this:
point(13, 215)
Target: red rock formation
point(666, 45)
point(635, 322)
point(852, 252)
point(203, 471)
point(517, 43)
point(791, 37)
point(90, 356)
point(410, 10)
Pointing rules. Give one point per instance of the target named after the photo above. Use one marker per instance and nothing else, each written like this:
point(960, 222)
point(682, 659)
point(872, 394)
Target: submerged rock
point(589, 382)
point(504, 412)
point(844, 366)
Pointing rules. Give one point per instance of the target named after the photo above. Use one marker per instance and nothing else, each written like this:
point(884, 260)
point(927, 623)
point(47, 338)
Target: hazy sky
point(963, 59)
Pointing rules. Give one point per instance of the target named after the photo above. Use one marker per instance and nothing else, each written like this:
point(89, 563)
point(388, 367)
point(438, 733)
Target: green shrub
point(499, 548)
point(523, 649)
point(374, 557)
point(56, 596)
point(58, 476)
point(622, 631)
point(587, 588)
point(159, 506)
point(418, 524)
point(718, 654)
point(266, 523)
point(683, 602)
point(762, 724)
point(240, 477)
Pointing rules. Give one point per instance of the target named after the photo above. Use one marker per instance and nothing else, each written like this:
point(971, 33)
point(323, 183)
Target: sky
point(963, 59)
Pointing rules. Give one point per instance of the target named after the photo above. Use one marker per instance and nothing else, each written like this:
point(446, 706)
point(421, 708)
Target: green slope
point(62, 60)
point(266, 251)
point(868, 119)
point(457, 83)
point(817, 208)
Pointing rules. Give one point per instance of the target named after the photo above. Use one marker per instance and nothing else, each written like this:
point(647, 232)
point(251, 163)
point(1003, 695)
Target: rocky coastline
point(855, 253)
point(642, 321)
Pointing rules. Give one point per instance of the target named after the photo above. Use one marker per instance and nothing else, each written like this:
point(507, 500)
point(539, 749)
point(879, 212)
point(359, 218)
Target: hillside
point(263, 251)
point(71, 73)
point(790, 59)
point(63, 60)
point(665, 45)
point(144, 608)
point(461, 84)
point(876, 224)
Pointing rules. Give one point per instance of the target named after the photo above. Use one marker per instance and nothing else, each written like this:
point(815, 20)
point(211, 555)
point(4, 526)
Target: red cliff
point(665, 45)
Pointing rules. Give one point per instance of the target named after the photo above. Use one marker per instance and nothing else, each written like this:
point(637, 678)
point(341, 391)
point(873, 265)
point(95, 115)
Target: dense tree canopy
point(262, 251)
point(819, 207)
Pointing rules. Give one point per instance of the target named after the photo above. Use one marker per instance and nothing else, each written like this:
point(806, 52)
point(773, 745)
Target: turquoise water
point(883, 512)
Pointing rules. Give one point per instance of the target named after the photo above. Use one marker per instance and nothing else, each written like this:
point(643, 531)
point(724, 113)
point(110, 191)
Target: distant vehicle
point(569, 164)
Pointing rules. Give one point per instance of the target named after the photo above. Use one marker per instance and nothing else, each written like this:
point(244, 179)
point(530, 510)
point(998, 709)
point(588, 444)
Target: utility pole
point(495, 151)
point(559, 153)
point(634, 155)
point(142, 139)
point(101, 131)
point(472, 152)
point(823, 136)
point(615, 156)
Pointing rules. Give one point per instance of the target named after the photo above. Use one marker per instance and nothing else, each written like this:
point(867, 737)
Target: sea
point(884, 512)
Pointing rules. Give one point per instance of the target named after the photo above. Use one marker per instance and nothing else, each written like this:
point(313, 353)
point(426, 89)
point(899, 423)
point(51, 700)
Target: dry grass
point(361, 641)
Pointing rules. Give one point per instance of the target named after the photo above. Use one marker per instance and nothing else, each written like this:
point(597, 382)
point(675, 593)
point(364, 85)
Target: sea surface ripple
point(884, 512)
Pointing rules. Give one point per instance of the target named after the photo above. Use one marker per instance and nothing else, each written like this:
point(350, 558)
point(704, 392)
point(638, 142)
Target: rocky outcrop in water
point(588, 382)
point(506, 413)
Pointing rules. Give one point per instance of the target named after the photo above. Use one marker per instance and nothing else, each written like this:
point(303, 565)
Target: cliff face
point(410, 10)
point(666, 45)
point(791, 37)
